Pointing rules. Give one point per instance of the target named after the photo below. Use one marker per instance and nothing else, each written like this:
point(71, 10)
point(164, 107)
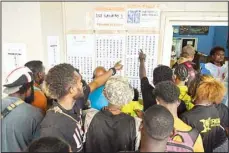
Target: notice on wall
point(109, 18)
point(110, 48)
point(143, 17)
point(148, 43)
point(14, 56)
point(53, 51)
point(80, 53)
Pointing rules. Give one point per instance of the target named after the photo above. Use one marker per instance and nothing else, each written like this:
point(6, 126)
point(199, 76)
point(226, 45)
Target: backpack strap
point(194, 133)
point(11, 107)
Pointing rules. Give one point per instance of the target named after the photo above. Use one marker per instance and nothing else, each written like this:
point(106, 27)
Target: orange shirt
point(40, 101)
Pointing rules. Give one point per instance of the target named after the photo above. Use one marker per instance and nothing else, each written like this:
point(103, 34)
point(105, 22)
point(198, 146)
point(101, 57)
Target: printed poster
point(80, 53)
point(143, 17)
point(109, 18)
point(53, 51)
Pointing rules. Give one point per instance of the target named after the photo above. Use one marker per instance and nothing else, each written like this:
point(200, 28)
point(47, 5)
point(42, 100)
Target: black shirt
point(223, 114)
point(207, 121)
point(56, 124)
point(148, 97)
point(106, 132)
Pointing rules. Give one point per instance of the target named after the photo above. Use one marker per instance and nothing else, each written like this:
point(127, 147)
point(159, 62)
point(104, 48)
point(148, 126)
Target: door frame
point(169, 19)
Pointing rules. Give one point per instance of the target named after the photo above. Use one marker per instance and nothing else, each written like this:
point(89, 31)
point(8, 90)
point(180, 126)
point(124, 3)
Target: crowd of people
point(182, 110)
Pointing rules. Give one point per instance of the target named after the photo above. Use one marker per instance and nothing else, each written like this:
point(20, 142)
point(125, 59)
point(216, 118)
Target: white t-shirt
point(217, 72)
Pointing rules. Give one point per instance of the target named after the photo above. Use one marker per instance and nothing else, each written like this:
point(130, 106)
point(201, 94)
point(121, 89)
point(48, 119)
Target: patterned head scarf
point(118, 91)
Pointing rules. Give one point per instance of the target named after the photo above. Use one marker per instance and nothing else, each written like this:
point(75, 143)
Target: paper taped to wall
point(110, 48)
point(109, 18)
point(53, 51)
point(80, 53)
point(14, 56)
point(143, 17)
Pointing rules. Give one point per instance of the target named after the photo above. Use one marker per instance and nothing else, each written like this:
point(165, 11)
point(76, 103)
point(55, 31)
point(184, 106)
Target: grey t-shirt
point(19, 126)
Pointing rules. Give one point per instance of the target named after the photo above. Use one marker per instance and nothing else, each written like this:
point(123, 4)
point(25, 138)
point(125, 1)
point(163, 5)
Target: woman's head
point(206, 88)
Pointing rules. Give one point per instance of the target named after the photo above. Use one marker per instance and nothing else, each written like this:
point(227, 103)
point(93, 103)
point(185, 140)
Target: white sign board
point(109, 18)
point(53, 51)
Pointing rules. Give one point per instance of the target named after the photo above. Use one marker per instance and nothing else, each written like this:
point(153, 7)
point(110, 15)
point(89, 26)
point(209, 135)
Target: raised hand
point(118, 65)
point(142, 56)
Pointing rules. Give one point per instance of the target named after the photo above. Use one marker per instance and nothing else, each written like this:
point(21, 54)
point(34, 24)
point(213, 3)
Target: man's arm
point(101, 80)
point(142, 69)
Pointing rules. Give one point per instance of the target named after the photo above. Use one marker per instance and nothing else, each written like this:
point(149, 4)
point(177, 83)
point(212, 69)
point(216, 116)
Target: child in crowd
point(181, 77)
point(133, 105)
point(205, 117)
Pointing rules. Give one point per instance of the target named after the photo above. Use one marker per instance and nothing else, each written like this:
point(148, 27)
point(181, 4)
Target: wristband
point(114, 71)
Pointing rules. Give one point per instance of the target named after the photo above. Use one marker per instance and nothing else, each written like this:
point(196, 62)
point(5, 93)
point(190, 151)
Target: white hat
point(16, 79)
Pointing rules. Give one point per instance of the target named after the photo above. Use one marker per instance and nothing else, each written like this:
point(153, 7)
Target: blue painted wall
point(217, 36)
point(220, 37)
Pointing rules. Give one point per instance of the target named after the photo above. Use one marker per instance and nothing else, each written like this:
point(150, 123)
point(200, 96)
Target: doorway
point(170, 19)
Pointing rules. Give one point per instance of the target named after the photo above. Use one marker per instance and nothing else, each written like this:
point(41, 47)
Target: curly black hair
point(58, 80)
point(162, 73)
point(215, 49)
point(158, 122)
point(167, 91)
point(48, 144)
point(181, 72)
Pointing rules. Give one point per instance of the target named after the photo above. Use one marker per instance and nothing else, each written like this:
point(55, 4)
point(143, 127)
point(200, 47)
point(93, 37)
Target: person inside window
point(186, 57)
point(216, 65)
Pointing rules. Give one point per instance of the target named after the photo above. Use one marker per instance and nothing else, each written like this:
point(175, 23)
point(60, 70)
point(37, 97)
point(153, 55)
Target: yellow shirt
point(185, 97)
point(181, 126)
point(131, 106)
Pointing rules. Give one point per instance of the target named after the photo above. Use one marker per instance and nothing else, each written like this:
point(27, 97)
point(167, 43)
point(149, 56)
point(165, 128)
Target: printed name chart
point(80, 53)
point(87, 51)
point(14, 55)
point(53, 51)
point(136, 42)
point(109, 50)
